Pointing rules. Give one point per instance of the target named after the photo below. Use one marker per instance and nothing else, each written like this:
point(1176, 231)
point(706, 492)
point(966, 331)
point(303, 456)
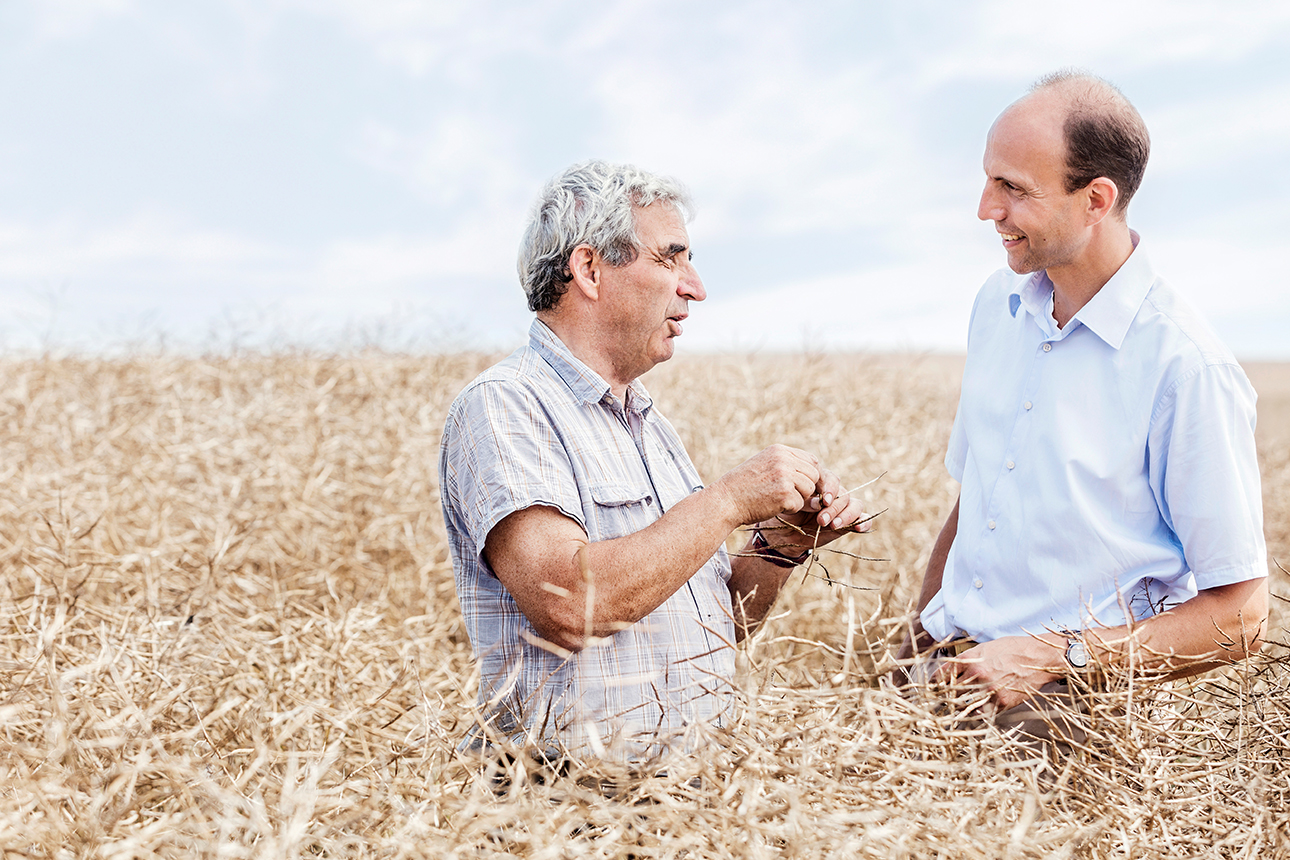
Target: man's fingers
point(829, 483)
point(843, 514)
point(805, 487)
point(947, 672)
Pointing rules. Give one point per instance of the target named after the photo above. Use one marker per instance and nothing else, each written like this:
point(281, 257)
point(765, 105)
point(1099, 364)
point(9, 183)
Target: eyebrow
point(672, 250)
point(1022, 182)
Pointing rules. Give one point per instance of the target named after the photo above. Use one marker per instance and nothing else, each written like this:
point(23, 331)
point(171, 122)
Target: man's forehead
point(1036, 119)
point(1025, 139)
point(661, 222)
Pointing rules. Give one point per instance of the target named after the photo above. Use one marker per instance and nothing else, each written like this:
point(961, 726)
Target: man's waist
point(955, 647)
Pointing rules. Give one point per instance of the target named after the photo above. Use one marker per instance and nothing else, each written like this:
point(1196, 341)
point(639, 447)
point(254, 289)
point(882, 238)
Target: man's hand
point(798, 505)
point(778, 480)
point(830, 513)
point(796, 501)
point(836, 512)
point(1011, 669)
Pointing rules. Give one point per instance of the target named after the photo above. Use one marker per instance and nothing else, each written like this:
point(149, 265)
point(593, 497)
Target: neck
point(1075, 283)
point(588, 348)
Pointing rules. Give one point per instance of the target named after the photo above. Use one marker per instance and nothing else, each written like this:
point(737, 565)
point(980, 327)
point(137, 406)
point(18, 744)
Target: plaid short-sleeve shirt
point(541, 428)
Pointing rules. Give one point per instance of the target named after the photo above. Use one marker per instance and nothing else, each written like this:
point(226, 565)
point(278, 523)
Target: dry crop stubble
point(228, 629)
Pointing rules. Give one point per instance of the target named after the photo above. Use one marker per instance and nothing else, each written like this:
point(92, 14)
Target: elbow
point(569, 640)
point(562, 625)
point(562, 632)
point(570, 633)
point(1250, 622)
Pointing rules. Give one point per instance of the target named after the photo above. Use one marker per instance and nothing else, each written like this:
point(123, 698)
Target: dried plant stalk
point(228, 629)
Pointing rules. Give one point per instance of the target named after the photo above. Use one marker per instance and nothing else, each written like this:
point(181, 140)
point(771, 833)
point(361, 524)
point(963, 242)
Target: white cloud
point(402, 261)
point(778, 140)
point(1107, 36)
point(62, 19)
point(423, 38)
point(1221, 275)
point(71, 248)
point(868, 309)
point(92, 284)
point(797, 126)
point(463, 161)
point(919, 303)
point(1203, 134)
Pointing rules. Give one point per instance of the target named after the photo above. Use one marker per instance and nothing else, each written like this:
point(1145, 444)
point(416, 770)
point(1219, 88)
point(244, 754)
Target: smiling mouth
point(1010, 237)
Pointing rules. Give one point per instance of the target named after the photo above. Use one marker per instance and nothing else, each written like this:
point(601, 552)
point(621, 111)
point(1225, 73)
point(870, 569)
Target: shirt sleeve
point(502, 454)
point(1204, 473)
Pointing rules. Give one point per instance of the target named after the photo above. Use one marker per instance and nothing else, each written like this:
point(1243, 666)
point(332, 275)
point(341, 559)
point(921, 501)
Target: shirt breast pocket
point(621, 508)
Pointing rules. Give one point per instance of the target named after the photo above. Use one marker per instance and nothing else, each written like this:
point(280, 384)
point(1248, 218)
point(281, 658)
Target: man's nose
point(990, 209)
point(691, 285)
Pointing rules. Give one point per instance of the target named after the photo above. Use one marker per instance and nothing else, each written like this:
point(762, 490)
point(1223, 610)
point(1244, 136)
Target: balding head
point(1103, 133)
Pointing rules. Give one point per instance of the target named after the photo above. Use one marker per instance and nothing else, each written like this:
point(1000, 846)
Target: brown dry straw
point(228, 629)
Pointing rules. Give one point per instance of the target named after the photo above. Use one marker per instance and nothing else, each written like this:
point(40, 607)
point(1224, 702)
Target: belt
point(955, 648)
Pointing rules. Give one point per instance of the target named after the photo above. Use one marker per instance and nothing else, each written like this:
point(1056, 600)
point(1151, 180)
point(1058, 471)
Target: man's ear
point(585, 265)
point(1102, 194)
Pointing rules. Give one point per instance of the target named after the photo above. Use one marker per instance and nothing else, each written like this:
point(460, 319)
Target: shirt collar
point(1111, 310)
point(587, 385)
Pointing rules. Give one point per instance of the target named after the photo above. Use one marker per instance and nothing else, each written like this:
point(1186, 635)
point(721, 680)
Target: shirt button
point(1011, 465)
point(978, 583)
point(1048, 347)
point(990, 525)
point(1027, 404)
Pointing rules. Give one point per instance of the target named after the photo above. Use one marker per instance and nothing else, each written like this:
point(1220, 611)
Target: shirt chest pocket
point(619, 508)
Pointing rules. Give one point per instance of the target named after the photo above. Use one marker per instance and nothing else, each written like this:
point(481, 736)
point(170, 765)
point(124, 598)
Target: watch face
point(1077, 653)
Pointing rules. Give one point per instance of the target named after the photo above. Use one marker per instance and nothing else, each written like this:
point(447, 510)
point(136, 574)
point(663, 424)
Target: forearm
point(571, 589)
point(754, 585)
point(629, 577)
point(1216, 627)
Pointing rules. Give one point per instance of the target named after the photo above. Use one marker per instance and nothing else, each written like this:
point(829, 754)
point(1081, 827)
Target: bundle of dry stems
point(228, 629)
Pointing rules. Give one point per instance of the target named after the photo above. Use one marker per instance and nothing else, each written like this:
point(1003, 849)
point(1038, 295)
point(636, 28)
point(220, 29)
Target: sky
point(228, 172)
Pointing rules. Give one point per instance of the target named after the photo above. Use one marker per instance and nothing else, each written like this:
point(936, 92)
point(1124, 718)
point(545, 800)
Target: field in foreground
point(228, 629)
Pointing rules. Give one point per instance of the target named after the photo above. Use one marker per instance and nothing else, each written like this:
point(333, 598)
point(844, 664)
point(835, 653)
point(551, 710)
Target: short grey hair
point(593, 204)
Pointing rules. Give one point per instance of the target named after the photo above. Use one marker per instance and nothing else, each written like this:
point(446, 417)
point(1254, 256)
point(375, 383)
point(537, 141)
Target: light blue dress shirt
point(1108, 468)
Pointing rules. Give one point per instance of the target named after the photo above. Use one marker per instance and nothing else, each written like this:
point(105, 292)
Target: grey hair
point(1105, 134)
point(590, 204)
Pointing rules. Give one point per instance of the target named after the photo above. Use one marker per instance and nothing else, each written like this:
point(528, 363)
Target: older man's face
point(644, 303)
point(1041, 225)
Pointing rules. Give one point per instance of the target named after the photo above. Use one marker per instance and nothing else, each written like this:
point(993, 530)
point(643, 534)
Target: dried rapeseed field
point(228, 629)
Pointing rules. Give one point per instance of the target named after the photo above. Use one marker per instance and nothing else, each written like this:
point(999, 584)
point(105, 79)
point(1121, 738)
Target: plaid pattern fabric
point(541, 428)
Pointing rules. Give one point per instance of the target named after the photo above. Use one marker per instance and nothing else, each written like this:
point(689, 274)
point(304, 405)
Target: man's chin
point(1023, 265)
point(665, 350)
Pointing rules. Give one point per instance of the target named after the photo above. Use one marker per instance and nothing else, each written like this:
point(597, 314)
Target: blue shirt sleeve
point(502, 455)
point(1203, 470)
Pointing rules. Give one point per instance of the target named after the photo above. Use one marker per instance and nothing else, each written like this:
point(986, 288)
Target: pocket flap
point(616, 495)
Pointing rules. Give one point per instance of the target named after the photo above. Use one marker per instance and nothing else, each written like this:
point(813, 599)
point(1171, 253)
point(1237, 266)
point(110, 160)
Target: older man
point(1110, 509)
point(588, 553)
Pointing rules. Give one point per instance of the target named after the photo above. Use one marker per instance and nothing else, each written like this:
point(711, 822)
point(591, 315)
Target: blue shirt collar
point(587, 385)
point(1110, 312)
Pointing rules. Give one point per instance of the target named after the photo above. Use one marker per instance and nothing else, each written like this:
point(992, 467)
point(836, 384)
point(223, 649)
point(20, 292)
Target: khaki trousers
point(1056, 716)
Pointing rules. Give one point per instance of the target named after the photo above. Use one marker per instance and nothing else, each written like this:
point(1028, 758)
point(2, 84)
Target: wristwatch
point(1076, 652)
point(765, 551)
